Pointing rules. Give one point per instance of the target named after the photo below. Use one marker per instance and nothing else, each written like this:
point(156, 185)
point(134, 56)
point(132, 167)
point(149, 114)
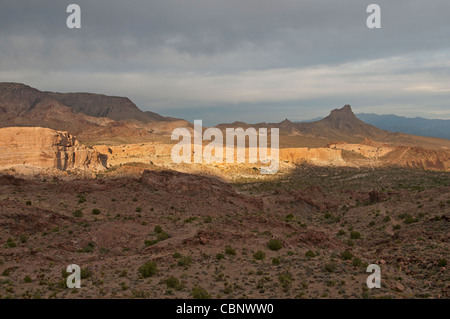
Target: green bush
point(356, 262)
point(148, 242)
point(230, 251)
point(200, 293)
point(174, 283)
point(27, 279)
point(158, 229)
point(23, 238)
point(285, 280)
point(138, 209)
point(148, 269)
point(409, 220)
point(341, 232)
point(274, 244)
point(259, 255)
point(88, 249)
point(176, 255)
point(10, 243)
point(78, 213)
point(310, 254)
point(185, 261)
point(81, 198)
point(96, 211)
point(330, 267)
point(289, 218)
point(355, 235)
point(346, 255)
point(220, 256)
point(275, 261)
point(442, 263)
point(162, 236)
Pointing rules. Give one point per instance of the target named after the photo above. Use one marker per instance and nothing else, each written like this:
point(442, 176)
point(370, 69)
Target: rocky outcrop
point(317, 156)
point(368, 151)
point(45, 148)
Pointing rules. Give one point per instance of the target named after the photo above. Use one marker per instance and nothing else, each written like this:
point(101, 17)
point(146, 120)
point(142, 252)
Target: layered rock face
point(45, 148)
point(318, 156)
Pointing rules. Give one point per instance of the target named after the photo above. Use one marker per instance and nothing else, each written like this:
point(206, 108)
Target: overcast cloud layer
point(248, 60)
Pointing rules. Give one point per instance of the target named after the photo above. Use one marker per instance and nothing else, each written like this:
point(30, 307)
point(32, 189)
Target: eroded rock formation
point(45, 148)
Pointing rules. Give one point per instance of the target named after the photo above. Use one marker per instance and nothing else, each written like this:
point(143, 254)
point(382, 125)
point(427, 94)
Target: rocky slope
point(92, 118)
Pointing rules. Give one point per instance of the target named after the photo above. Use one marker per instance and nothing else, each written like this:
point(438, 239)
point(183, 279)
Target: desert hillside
point(89, 179)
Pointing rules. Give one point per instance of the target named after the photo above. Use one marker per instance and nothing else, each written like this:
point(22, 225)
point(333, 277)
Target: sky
point(236, 60)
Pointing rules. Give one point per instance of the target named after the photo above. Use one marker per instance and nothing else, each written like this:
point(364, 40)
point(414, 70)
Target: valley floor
point(166, 234)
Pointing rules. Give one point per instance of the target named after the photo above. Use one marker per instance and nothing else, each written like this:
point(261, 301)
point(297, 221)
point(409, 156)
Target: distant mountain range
point(91, 117)
point(415, 126)
point(97, 118)
point(394, 123)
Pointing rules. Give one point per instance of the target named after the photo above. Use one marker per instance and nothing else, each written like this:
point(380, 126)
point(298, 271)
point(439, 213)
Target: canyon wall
point(45, 148)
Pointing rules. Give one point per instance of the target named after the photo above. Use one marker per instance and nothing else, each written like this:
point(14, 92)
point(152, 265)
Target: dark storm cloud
point(171, 54)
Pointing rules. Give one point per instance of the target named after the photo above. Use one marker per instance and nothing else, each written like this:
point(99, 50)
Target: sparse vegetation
point(259, 255)
point(274, 244)
point(148, 269)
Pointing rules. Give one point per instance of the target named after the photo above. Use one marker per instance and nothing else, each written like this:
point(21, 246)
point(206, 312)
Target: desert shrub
point(176, 255)
point(230, 251)
point(23, 238)
point(310, 254)
point(387, 219)
point(355, 235)
point(10, 243)
point(200, 293)
point(330, 267)
point(78, 213)
point(174, 283)
point(442, 263)
point(138, 209)
point(190, 219)
point(96, 211)
point(162, 236)
point(81, 198)
point(207, 219)
point(289, 218)
point(148, 269)
point(220, 256)
point(158, 229)
point(149, 242)
point(285, 280)
point(259, 255)
point(88, 249)
point(341, 232)
point(27, 279)
point(274, 244)
point(346, 255)
point(356, 262)
point(409, 220)
point(185, 261)
point(28, 203)
point(275, 261)
point(85, 273)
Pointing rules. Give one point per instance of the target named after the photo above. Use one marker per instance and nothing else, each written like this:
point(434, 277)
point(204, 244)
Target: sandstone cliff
point(317, 156)
point(45, 148)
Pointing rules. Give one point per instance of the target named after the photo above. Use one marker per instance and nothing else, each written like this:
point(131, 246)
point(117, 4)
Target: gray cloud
point(255, 59)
